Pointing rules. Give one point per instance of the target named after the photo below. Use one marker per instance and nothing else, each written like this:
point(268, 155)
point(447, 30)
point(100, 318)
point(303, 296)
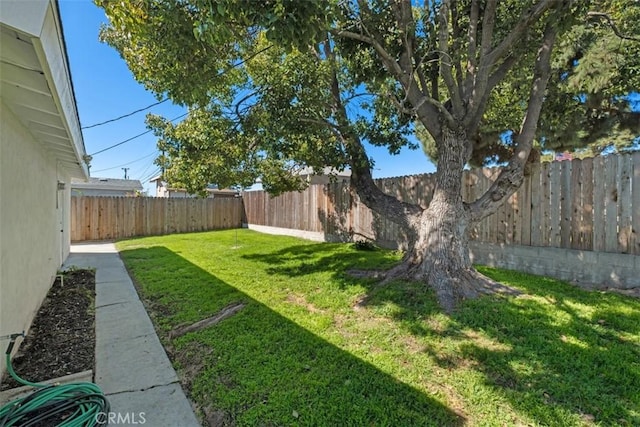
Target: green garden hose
point(67, 405)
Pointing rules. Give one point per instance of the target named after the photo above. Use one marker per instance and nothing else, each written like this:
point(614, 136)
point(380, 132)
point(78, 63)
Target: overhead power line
point(236, 65)
point(125, 115)
point(239, 63)
point(128, 163)
point(133, 137)
point(155, 172)
point(146, 169)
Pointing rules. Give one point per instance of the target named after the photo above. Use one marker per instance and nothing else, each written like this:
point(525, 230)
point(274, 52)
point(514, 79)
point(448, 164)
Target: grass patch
point(299, 354)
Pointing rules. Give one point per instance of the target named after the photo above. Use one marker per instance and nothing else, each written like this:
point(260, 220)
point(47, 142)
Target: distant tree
point(277, 85)
point(593, 102)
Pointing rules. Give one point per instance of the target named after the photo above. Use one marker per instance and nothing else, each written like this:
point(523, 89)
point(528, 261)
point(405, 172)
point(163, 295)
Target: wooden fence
point(109, 218)
point(591, 204)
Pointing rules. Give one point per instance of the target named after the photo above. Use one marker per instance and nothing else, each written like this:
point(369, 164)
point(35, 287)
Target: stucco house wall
point(34, 223)
point(41, 149)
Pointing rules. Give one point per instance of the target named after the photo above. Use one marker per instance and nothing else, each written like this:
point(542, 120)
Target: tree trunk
point(439, 255)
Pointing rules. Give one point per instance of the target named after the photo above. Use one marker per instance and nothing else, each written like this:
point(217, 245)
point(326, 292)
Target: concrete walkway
point(132, 367)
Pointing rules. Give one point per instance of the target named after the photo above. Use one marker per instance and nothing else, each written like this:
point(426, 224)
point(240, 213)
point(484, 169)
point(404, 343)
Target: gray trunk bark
point(439, 255)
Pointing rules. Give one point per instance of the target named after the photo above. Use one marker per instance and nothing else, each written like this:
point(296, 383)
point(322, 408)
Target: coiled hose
point(65, 405)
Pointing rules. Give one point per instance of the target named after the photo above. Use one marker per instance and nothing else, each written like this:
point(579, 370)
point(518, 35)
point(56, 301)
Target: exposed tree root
point(451, 287)
point(228, 311)
point(466, 283)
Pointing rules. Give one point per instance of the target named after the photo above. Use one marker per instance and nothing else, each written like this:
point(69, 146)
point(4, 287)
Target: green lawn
point(299, 354)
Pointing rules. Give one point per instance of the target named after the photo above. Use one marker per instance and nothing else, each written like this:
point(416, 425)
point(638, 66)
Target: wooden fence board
point(524, 208)
point(598, 203)
point(545, 224)
point(625, 171)
point(556, 202)
point(536, 206)
point(108, 218)
point(489, 223)
point(516, 220)
point(611, 204)
point(576, 205)
point(566, 194)
point(586, 190)
point(492, 221)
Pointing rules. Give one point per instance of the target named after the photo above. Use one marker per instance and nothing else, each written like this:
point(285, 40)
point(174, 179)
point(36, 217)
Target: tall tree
point(282, 84)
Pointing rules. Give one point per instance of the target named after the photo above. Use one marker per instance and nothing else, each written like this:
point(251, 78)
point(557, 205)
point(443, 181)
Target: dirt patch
point(302, 301)
point(61, 340)
point(366, 274)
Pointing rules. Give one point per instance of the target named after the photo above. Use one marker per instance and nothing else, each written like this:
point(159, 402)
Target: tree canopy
point(259, 75)
point(278, 85)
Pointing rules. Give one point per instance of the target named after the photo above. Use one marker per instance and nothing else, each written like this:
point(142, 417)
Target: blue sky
point(105, 89)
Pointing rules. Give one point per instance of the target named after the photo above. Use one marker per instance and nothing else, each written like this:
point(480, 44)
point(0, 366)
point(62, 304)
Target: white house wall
point(34, 224)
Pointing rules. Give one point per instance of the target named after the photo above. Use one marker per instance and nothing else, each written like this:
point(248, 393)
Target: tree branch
point(426, 107)
point(473, 121)
point(445, 63)
point(361, 179)
point(612, 24)
point(478, 86)
point(512, 175)
point(488, 22)
point(457, 36)
point(489, 58)
point(526, 20)
point(473, 38)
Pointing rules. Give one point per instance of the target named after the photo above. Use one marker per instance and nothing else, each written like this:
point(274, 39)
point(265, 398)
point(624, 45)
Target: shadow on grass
point(258, 367)
point(557, 353)
point(582, 349)
point(563, 354)
point(301, 260)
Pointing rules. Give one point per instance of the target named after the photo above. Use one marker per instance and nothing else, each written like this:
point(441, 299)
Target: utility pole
point(125, 172)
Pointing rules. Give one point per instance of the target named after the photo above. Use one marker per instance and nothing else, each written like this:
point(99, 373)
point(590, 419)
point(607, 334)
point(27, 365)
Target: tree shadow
point(258, 367)
point(337, 258)
point(564, 351)
point(557, 353)
point(560, 354)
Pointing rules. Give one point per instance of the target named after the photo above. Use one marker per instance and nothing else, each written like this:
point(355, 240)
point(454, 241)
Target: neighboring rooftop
point(164, 190)
point(328, 170)
point(106, 187)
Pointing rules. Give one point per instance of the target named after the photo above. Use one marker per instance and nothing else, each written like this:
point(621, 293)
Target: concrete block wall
point(590, 270)
point(584, 268)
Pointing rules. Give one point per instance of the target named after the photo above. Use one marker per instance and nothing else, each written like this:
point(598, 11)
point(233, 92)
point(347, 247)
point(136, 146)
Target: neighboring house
point(41, 149)
point(106, 187)
point(328, 175)
point(163, 190)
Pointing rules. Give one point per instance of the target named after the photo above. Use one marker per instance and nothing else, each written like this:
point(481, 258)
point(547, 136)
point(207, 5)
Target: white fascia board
point(51, 52)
